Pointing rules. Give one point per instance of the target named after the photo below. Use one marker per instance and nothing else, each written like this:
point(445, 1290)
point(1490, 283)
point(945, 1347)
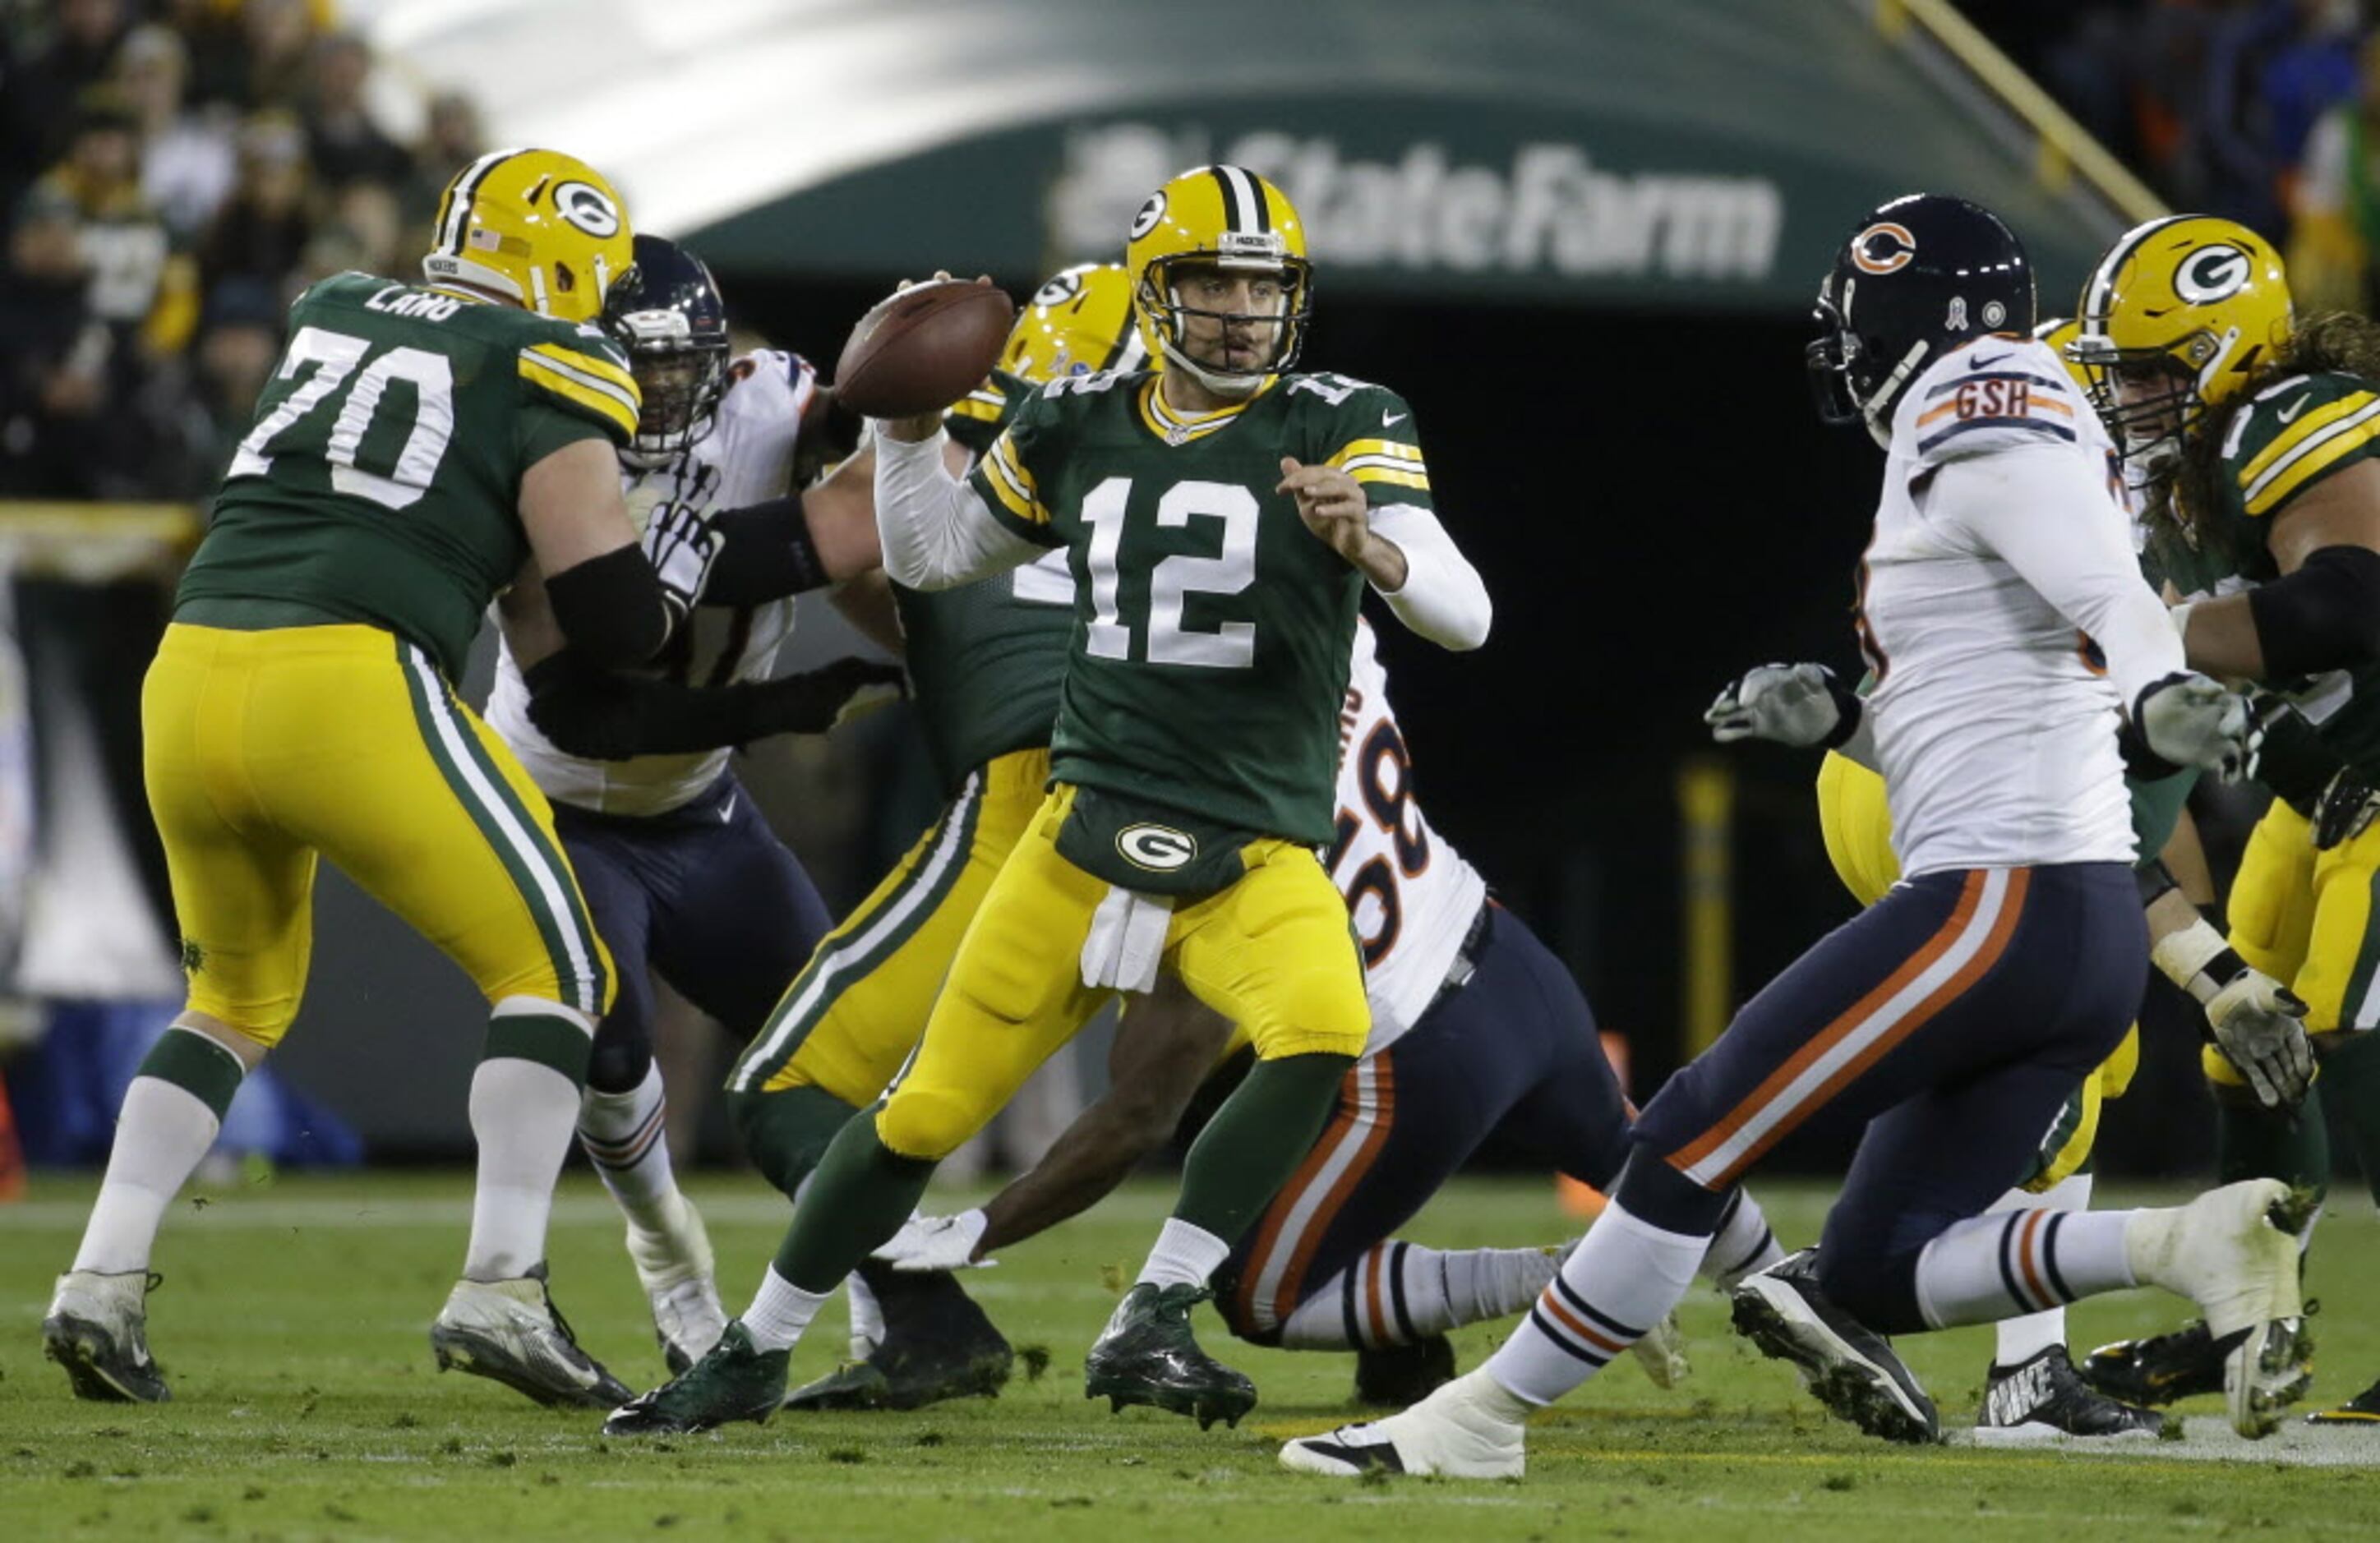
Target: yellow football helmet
point(2176, 317)
point(2059, 333)
point(1079, 321)
point(1228, 218)
point(540, 227)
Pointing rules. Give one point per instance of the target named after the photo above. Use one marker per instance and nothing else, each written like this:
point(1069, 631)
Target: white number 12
point(1231, 645)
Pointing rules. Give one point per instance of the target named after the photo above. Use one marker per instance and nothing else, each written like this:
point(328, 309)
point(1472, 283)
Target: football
point(922, 349)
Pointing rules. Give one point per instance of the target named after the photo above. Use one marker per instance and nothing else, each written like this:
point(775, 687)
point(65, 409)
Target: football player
point(1953, 1017)
point(1477, 1029)
point(2253, 434)
point(1221, 519)
point(682, 875)
point(420, 448)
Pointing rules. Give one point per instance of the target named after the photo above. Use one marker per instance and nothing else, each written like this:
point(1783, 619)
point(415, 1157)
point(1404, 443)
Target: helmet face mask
point(1188, 250)
point(669, 318)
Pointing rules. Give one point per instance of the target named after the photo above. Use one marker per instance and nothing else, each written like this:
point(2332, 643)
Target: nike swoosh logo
point(1388, 420)
point(727, 810)
point(2296, 407)
point(1977, 361)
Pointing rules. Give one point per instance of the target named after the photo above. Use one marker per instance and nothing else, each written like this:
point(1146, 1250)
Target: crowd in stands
point(172, 174)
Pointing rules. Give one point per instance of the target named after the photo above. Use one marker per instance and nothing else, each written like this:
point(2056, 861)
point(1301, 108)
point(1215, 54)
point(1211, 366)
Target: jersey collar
point(1176, 427)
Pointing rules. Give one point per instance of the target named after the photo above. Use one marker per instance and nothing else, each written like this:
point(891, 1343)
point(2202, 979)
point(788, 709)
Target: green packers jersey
point(381, 482)
point(2288, 437)
point(986, 659)
point(1212, 629)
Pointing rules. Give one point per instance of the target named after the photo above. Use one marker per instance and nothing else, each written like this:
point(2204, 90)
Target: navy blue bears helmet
point(1920, 274)
point(667, 313)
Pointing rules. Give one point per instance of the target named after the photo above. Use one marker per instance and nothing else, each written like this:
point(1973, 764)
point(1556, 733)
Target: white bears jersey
point(1412, 895)
point(747, 457)
point(1994, 717)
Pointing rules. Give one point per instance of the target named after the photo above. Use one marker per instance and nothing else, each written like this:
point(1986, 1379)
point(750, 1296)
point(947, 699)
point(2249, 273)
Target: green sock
point(2253, 1142)
point(2350, 1090)
point(862, 1192)
point(786, 1133)
point(1256, 1141)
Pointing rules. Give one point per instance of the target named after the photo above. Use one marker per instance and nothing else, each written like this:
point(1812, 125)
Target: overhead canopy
point(1697, 152)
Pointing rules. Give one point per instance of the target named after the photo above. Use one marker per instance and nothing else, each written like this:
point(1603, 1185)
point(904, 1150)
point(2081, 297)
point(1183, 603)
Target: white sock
point(1624, 1277)
point(2019, 1340)
point(161, 1133)
point(1743, 1244)
point(1185, 1256)
point(867, 1317)
point(1994, 1267)
point(625, 1139)
point(1398, 1292)
point(780, 1312)
point(521, 1115)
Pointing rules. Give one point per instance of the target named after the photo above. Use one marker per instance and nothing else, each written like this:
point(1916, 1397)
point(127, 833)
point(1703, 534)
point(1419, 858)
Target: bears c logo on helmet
point(2212, 274)
point(1883, 247)
point(1158, 848)
point(587, 209)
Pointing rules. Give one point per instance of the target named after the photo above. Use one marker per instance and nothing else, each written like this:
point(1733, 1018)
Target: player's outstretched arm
point(586, 711)
point(1403, 552)
point(2323, 613)
point(615, 604)
point(803, 542)
point(937, 533)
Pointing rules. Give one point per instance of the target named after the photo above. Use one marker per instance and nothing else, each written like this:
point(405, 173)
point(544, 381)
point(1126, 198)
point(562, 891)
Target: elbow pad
point(613, 607)
point(2325, 616)
point(766, 554)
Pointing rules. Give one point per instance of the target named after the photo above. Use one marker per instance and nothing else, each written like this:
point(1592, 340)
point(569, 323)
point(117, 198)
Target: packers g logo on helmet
point(1230, 219)
point(541, 227)
point(2176, 319)
point(1080, 321)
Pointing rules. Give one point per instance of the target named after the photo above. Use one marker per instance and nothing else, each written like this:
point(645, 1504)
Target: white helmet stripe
point(2100, 293)
point(1246, 200)
point(458, 208)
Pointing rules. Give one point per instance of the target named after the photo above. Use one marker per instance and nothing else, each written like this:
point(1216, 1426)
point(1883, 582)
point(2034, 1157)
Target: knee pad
point(927, 1124)
point(617, 1065)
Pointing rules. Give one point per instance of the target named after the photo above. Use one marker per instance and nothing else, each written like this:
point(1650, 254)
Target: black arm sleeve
point(2325, 616)
point(588, 711)
point(766, 554)
point(612, 608)
point(2294, 762)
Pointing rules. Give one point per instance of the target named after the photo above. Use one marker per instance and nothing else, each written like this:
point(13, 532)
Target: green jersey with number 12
point(381, 480)
point(1212, 629)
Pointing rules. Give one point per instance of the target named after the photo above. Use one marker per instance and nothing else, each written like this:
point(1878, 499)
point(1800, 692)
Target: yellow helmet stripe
point(2099, 295)
point(2302, 432)
point(454, 214)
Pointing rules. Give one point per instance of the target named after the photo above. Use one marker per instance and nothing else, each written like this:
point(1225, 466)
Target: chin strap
point(1877, 408)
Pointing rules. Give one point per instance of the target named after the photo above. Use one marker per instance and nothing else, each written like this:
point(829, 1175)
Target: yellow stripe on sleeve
point(603, 400)
point(1396, 476)
point(981, 406)
point(2287, 477)
point(1387, 449)
point(587, 363)
point(1011, 483)
point(2304, 432)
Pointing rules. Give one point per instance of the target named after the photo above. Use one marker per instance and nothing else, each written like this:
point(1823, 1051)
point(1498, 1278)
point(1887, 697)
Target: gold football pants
point(263, 750)
point(2304, 917)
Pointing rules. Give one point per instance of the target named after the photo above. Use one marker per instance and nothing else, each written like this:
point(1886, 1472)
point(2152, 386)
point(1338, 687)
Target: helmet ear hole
point(564, 281)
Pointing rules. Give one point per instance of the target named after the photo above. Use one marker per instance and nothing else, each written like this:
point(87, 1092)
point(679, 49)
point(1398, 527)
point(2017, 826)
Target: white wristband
point(2182, 957)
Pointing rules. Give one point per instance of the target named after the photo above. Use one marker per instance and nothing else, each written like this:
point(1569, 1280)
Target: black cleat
point(2162, 1368)
point(937, 1344)
point(98, 1330)
point(1848, 1367)
point(2044, 1398)
point(734, 1381)
point(1396, 1375)
point(2363, 1409)
point(1149, 1356)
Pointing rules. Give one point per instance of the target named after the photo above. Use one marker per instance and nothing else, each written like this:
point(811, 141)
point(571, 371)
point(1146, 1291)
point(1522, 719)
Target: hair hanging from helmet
point(2339, 341)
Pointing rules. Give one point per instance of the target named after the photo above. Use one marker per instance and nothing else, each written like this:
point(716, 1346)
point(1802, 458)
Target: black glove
point(2347, 802)
point(591, 712)
point(829, 696)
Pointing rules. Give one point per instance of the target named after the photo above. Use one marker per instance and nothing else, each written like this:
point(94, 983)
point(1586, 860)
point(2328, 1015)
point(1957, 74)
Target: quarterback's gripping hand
point(927, 1243)
point(2258, 1022)
point(2191, 720)
point(1792, 704)
point(2347, 802)
point(681, 547)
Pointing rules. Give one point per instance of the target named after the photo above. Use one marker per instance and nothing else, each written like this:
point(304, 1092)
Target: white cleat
point(2234, 1252)
point(510, 1332)
point(1470, 1428)
point(1662, 1354)
point(676, 1268)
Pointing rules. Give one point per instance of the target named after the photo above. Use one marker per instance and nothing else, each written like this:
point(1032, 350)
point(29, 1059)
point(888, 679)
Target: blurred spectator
point(40, 102)
point(263, 230)
point(452, 141)
point(2337, 230)
point(187, 162)
point(280, 36)
point(347, 146)
point(211, 29)
point(213, 402)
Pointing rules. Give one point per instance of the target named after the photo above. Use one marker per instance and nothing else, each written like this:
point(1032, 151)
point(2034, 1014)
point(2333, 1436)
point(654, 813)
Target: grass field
point(293, 1321)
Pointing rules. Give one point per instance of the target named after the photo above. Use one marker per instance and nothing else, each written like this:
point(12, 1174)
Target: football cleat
point(1148, 1355)
point(97, 1329)
point(1847, 1366)
point(1398, 1375)
point(1470, 1428)
point(2042, 1398)
point(2363, 1409)
point(937, 1344)
point(2162, 1368)
point(2234, 1252)
point(510, 1332)
point(735, 1381)
point(675, 1270)
point(1662, 1353)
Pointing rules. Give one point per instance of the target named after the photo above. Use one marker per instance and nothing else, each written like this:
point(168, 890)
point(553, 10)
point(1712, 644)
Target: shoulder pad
point(2293, 431)
point(1995, 392)
point(582, 371)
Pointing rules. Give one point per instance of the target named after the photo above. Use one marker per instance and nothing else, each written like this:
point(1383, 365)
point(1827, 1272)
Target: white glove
point(680, 546)
point(2258, 1022)
point(2192, 721)
point(927, 1243)
point(1793, 704)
